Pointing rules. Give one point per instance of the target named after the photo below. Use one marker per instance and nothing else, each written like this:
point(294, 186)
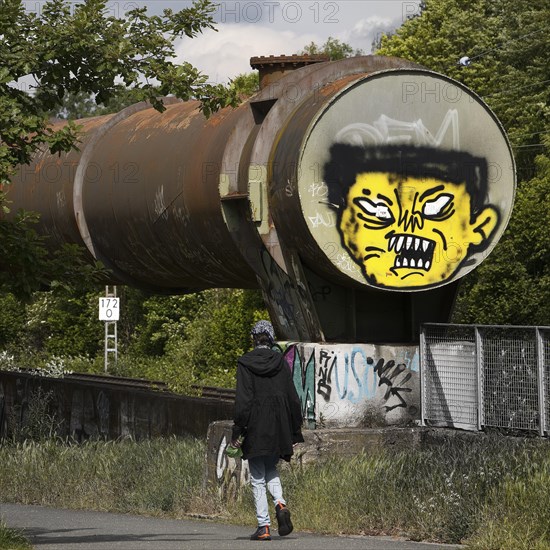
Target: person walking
point(268, 415)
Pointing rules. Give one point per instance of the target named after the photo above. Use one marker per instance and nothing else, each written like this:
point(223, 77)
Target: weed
point(33, 418)
point(12, 539)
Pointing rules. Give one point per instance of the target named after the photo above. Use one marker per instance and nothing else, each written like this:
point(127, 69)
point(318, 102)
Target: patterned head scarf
point(263, 327)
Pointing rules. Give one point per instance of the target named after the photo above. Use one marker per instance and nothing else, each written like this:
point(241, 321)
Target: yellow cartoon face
point(409, 232)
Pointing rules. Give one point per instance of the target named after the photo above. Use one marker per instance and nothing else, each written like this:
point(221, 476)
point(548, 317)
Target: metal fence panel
point(450, 397)
point(495, 376)
point(510, 378)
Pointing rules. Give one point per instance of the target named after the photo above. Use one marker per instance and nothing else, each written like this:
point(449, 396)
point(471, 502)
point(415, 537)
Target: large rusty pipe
point(361, 176)
point(142, 195)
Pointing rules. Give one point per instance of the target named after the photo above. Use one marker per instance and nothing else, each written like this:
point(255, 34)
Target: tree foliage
point(507, 46)
point(246, 84)
point(217, 335)
point(182, 340)
point(26, 266)
point(333, 47)
point(79, 105)
point(79, 48)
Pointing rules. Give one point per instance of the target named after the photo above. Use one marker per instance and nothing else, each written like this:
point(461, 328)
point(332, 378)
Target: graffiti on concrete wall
point(231, 473)
point(303, 374)
point(342, 384)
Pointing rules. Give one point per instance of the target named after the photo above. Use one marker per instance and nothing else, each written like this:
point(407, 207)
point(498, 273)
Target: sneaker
point(283, 519)
point(262, 533)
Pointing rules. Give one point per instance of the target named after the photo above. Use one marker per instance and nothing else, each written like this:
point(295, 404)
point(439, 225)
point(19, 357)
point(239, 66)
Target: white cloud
point(225, 54)
point(285, 28)
point(361, 35)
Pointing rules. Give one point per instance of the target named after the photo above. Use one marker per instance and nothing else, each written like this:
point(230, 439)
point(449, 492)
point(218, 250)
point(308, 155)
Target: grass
point(11, 539)
point(491, 494)
point(149, 477)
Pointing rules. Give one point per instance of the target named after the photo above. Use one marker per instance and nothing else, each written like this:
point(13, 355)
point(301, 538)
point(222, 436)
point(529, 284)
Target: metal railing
point(476, 376)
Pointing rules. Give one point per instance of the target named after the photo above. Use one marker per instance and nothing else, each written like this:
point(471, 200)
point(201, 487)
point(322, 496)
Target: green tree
point(333, 47)
point(86, 50)
point(507, 46)
point(63, 324)
point(246, 84)
point(217, 335)
point(80, 105)
point(26, 266)
point(12, 319)
point(74, 106)
point(163, 319)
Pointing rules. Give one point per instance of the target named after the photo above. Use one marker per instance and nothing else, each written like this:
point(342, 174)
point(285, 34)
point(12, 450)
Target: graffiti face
point(411, 232)
point(410, 217)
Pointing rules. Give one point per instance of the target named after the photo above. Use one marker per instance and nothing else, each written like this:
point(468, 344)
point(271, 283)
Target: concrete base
point(229, 474)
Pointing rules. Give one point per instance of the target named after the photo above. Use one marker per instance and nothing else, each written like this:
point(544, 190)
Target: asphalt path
point(58, 529)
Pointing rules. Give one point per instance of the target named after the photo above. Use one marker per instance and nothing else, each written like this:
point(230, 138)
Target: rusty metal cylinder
point(352, 170)
point(400, 180)
point(142, 196)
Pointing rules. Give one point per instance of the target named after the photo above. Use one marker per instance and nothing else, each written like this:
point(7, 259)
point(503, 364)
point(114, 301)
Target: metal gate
point(476, 376)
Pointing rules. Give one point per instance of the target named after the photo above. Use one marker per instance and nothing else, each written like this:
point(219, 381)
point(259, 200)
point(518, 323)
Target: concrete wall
point(103, 409)
point(229, 474)
point(356, 385)
point(340, 386)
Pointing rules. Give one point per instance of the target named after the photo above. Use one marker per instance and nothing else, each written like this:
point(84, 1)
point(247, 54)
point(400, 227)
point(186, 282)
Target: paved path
point(57, 529)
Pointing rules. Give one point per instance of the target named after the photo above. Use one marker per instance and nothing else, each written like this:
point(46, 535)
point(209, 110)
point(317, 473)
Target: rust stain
point(337, 85)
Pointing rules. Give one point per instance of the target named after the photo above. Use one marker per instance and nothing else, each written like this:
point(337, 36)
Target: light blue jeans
point(263, 473)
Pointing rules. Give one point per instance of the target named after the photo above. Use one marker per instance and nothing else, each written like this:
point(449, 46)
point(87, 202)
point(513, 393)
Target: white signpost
point(109, 309)
point(109, 312)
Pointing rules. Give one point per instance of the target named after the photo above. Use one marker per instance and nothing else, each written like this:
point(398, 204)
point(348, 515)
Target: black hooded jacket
point(267, 407)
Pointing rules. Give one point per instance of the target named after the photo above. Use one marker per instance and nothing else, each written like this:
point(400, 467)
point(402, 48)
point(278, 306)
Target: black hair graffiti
point(404, 161)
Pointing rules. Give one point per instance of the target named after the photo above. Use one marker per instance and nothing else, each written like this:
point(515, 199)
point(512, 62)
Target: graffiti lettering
point(231, 473)
point(325, 220)
point(318, 190)
point(288, 297)
point(344, 262)
point(304, 380)
point(278, 289)
point(389, 130)
point(387, 374)
point(347, 378)
point(327, 361)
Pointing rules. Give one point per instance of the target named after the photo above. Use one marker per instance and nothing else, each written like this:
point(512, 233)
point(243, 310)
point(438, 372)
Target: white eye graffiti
point(379, 210)
point(436, 207)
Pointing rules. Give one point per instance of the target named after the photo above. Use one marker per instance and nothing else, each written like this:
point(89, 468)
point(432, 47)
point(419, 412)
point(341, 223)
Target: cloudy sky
point(248, 28)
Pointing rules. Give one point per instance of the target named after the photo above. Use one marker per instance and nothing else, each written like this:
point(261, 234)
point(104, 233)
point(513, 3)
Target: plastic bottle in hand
point(235, 451)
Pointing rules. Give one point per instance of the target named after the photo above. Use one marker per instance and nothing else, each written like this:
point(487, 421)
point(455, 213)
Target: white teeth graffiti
point(412, 252)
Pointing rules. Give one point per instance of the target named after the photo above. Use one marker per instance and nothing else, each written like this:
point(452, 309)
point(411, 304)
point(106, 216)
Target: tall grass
point(151, 477)
point(517, 515)
point(491, 493)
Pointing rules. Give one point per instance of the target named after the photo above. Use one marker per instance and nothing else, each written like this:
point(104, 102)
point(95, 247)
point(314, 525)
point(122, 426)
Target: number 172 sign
point(109, 309)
